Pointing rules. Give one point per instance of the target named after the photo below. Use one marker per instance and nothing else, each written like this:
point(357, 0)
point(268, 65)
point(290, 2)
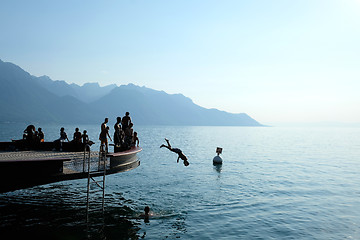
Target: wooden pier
point(23, 169)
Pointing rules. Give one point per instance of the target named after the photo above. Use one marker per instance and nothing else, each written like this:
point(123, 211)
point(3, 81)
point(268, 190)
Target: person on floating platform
point(85, 137)
point(135, 140)
point(103, 125)
point(103, 138)
point(63, 135)
point(86, 140)
point(176, 150)
point(77, 136)
point(118, 134)
point(126, 121)
point(104, 134)
point(40, 135)
point(29, 133)
point(128, 136)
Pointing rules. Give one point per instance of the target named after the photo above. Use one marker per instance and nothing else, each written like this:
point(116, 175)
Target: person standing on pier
point(128, 136)
point(126, 120)
point(103, 125)
point(118, 132)
point(104, 134)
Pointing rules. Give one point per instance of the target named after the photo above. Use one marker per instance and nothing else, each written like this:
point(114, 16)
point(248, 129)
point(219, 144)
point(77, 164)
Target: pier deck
point(24, 169)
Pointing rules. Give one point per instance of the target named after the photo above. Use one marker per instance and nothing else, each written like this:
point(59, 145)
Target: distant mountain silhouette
point(89, 92)
point(23, 99)
point(40, 99)
point(157, 107)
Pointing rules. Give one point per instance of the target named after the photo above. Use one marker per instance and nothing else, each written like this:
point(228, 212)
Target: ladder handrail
point(102, 160)
point(86, 149)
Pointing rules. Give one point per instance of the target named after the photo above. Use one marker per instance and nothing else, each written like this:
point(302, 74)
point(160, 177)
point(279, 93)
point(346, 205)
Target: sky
point(278, 61)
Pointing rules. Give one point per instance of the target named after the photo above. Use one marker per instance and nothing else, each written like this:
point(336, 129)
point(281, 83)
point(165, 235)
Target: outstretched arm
point(178, 159)
point(109, 136)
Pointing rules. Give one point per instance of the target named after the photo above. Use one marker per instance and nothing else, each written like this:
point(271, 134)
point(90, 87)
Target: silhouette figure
point(40, 135)
point(77, 136)
point(63, 135)
point(126, 120)
point(176, 150)
point(118, 132)
point(135, 139)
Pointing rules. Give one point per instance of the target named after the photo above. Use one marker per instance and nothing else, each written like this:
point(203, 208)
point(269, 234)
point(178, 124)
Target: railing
point(100, 171)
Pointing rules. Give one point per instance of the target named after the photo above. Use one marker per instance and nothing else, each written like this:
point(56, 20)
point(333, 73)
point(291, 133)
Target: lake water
point(275, 183)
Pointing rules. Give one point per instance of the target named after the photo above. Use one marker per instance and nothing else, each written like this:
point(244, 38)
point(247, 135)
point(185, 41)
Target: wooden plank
point(39, 156)
point(34, 160)
point(30, 168)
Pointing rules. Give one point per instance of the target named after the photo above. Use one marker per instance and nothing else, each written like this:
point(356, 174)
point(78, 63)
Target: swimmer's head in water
point(186, 163)
point(147, 210)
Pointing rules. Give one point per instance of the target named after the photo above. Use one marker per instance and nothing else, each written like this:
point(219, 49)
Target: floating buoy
point(217, 159)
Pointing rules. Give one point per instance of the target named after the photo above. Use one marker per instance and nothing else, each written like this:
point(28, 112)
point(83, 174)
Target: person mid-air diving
point(176, 150)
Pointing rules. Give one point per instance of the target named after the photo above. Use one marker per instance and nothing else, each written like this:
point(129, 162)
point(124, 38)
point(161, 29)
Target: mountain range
point(26, 98)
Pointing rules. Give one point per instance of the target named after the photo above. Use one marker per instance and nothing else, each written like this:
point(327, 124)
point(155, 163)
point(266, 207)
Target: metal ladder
point(99, 172)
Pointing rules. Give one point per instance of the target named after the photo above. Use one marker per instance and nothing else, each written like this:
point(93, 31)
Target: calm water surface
point(275, 183)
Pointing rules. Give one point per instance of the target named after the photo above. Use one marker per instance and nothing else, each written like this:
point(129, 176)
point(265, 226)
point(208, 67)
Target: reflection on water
point(218, 168)
point(58, 211)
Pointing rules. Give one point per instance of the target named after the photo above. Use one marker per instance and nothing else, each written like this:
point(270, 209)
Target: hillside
point(40, 99)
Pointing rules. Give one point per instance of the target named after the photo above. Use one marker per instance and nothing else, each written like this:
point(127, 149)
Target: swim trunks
point(176, 150)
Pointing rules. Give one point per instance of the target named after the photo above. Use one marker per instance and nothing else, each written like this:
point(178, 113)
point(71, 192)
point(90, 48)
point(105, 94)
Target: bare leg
point(165, 146)
point(168, 146)
point(168, 142)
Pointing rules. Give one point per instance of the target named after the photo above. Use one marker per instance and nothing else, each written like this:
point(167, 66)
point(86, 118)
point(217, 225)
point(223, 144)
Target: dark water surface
point(275, 183)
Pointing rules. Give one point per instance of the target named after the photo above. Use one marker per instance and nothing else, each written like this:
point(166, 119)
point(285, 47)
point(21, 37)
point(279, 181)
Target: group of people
point(124, 135)
point(78, 137)
point(31, 136)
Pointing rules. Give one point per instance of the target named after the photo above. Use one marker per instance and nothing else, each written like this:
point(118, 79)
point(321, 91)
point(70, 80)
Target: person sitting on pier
point(63, 135)
point(176, 150)
point(85, 137)
point(58, 142)
point(29, 133)
point(40, 135)
point(77, 136)
point(86, 141)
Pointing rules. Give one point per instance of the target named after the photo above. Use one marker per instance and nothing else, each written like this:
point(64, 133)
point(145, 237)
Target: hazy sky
point(278, 61)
